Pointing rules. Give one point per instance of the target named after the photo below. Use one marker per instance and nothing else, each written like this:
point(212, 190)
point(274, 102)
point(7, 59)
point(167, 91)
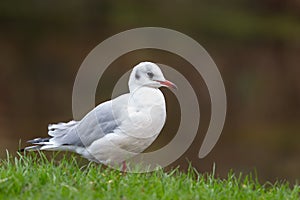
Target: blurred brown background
point(255, 43)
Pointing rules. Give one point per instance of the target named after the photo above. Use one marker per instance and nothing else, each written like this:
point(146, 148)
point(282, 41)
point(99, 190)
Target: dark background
point(255, 43)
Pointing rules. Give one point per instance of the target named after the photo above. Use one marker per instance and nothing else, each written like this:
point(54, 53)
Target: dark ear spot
point(137, 75)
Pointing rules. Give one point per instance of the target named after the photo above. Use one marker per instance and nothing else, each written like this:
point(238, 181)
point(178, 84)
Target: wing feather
point(99, 122)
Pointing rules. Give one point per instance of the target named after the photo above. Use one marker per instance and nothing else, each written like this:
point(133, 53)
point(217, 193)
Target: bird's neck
point(145, 96)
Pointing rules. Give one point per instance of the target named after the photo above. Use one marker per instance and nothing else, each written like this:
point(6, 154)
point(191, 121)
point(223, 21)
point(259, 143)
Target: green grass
point(34, 176)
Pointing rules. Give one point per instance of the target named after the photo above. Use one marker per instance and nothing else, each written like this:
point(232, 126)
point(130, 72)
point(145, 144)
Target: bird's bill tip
point(168, 84)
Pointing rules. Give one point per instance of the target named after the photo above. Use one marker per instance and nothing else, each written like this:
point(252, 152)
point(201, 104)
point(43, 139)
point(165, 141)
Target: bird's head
point(148, 74)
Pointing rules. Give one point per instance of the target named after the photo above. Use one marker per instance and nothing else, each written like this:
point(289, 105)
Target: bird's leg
point(124, 167)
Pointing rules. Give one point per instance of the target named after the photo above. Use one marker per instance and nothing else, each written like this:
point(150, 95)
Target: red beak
point(168, 84)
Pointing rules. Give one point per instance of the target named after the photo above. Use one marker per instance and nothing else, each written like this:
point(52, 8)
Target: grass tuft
point(34, 176)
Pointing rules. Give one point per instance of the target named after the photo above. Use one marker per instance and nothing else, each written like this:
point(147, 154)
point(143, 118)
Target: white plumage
point(117, 129)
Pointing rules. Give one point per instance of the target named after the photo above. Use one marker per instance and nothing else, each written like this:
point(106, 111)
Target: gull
point(118, 129)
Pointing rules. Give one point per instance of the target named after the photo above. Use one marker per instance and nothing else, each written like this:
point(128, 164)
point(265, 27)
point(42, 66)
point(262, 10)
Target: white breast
point(147, 113)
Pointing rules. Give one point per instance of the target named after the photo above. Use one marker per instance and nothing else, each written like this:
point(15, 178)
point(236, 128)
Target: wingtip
point(30, 148)
point(38, 140)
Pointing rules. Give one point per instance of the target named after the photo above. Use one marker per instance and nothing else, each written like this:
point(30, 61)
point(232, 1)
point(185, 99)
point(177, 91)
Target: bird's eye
point(150, 74)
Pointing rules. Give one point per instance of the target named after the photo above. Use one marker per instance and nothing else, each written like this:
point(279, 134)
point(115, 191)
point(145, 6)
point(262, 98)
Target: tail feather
point(38, 140)
point(61, 138)
point(47, 144)
point(31, 148)
point(39, 143)
point(56, 130)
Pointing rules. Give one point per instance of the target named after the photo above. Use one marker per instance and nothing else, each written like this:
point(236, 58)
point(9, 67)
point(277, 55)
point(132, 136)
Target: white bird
point(117, 129)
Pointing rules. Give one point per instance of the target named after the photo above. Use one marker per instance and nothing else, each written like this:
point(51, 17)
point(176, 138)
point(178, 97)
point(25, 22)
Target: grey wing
point(99, 122)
